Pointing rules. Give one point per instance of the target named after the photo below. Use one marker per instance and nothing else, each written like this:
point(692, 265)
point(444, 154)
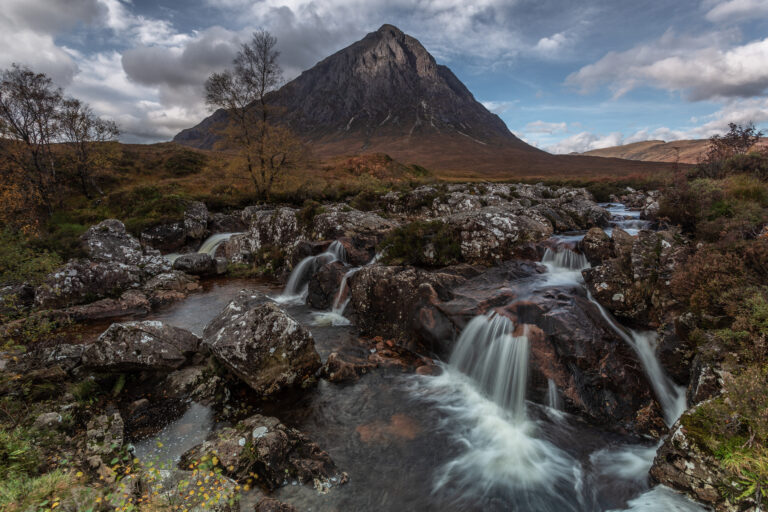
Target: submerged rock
point(262, 344)
point(148, 345)
point(265, 447)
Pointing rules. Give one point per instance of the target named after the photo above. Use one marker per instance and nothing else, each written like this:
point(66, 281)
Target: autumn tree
point(87, 143)
point(29, 104)
point(268, 147)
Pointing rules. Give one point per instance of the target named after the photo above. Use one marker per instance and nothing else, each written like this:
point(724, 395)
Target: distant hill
point(690, 151)
point(386, 94)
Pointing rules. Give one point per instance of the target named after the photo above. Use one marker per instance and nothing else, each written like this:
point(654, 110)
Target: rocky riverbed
point(524, 354)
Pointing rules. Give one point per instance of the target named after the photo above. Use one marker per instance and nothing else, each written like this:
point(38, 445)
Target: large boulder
point(324, 284)
point(108, 241)
point(82, 281)
point(262, 344)
point(169, 287)
point(493, 234)
point(596, 246)
point(197, 264)
point(337, 222)
point(165, 237)
point(148, 345)
point(262, 446)
point(278, 228)
point(196, 221)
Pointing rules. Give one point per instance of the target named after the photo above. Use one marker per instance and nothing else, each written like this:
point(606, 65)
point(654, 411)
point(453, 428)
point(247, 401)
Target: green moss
point(21, 263)
point(306, 216)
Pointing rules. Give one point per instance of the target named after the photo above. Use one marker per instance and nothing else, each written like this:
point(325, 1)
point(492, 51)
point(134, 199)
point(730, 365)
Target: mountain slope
point(688, 151)
point(386, 93)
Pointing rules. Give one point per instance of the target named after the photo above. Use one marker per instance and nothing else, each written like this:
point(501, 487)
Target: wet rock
point(684, 466)
point(272, 505)
point(268, 228)
point(596, 246)
point(108, 241)
point(148, 345)
point(705, 380)
point(269, 449)
point(324, 284)
point(165, 237)
point(492, 234)
point(104, 434)
point(342, 368)
point(197, 264)
point(262, 344)
point(196, 221)
point(47, 420)
point(82, 281)
point(153, 263)
point(131, 302)
point(169, 287)
point(227, 223)
point(675, 355)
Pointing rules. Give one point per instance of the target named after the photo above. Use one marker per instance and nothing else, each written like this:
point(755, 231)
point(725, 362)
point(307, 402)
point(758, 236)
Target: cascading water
point(336, 315)
point(553, 396)
point(296, 289)
point(564, 267)
point(214, 241)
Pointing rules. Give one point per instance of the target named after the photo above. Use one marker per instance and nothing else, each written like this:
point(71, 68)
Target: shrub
point(19, 263)
point(422, 243)
point(306, 216)
point(185, 162)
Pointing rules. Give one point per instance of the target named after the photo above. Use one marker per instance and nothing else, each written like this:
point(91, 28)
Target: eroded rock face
point(108, 241)
point(273, 451)
point(83, 281)
point(635, 285)
point(262, 344)
point(148, 345)
point(682, 465)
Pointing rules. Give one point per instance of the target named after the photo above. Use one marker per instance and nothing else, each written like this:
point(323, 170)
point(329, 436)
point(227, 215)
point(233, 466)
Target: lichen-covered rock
point(169, 287)
point(492, 234)
point(268, 228)
point(131, 302)
point(263, 446)
point(196, 221)
point(337, 222)
point(165, 237)
point(684, 466)
point(108, 241)
point(82, 281)
point(197, 264)
point(153, 263)
point(262, 344)
point(148, 345)
point(227, 222)
point(596, 246)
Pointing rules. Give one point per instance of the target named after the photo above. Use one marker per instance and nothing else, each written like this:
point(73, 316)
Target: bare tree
point(267, 148)
point(29, 104)
point(87, 140)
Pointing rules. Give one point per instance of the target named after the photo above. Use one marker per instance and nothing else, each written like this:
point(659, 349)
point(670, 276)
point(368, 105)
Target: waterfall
point(213, 242)
point(553, 396)
point(564, 267)
point(670, 396)
point(489, 353)
point(296, 289)
point(336, 315)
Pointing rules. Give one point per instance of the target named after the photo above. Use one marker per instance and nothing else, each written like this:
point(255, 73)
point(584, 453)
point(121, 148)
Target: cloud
point(703, 67)
point(585, 141)
point(499, 107)
point(545, 127)
point(553, 45)
point(738, 10)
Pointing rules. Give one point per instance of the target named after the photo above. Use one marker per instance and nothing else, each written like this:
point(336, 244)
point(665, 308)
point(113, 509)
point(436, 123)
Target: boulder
point(262, 344)
point(265, 447)
point(131, 302)
point(341, 221)
point(324, 284)
point(276, 228)
point(169, 287)
point(196, 221)
point(227, 223)
point(148, 345)
point(47, 420)
point(82, 281)
point(165, 237)
point(153, 263)
point(197, 264)
point(596, 246)
point(108, 241)
point(493, 234)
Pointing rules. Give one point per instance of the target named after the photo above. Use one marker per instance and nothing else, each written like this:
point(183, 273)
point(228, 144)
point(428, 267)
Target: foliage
point(185, 162)
point(20, 263)
point(306, 216)
point(422, 243)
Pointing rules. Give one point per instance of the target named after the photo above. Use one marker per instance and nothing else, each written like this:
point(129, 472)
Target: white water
point(553, 396)
point(661, 499)
point(213, 242)
point(340, 301)
point(296, 289)
point(564, 267)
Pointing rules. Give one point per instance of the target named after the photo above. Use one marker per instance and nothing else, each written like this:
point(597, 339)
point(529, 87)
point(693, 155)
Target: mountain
point(387, 94)
point(688, 151)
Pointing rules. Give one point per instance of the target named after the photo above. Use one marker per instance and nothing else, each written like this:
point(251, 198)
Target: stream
point(465, 440)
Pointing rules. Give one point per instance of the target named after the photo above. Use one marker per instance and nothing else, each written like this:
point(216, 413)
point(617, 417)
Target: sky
point(564, 76)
